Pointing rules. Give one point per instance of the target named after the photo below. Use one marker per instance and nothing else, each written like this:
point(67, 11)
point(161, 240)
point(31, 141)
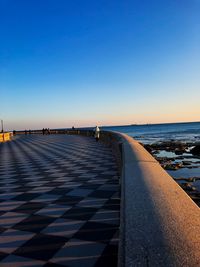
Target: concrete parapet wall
point(160, 224)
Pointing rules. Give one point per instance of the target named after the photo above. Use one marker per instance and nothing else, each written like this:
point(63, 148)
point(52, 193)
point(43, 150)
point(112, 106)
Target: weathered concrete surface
point(160, 224)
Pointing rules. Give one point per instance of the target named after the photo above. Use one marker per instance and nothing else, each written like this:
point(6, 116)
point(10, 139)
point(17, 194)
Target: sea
point(152, 133)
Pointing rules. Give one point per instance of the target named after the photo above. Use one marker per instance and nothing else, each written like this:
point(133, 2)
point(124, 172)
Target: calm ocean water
point(189, 132)
point(147, 134)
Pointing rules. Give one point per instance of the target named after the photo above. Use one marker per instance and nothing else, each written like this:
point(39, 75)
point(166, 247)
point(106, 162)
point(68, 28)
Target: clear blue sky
point(83, 63)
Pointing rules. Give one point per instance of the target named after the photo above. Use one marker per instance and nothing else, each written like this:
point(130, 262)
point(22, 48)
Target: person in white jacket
point(97, 133)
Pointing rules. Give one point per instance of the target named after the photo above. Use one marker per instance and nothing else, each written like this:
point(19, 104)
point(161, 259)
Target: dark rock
point(188, 187)
point(172, 167)
point(190, 179)
point(181, 157)
point(195, 150)
point(169, 167)
point(177, 147)
point(186, 163)
point(179, 152)
point(148, 148)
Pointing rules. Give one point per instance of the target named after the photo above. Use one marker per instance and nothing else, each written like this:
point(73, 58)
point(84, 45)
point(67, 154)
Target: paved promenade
point(59, 202)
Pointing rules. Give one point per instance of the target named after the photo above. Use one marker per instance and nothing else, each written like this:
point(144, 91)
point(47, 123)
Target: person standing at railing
point(97, 133)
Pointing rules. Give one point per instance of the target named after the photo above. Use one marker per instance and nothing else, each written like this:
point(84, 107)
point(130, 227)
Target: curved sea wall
point(159, 224)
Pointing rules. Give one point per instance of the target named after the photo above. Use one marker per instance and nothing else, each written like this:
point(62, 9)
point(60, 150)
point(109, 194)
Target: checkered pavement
point(59, 202)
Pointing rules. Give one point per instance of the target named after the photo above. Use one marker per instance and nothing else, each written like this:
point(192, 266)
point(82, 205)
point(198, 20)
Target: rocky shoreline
point(175, 156)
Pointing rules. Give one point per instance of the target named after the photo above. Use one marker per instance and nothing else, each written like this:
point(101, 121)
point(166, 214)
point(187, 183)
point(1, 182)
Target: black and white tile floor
point(59, 202)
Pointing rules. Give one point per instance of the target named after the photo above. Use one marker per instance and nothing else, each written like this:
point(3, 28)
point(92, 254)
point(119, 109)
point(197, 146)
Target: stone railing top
point(160, 224)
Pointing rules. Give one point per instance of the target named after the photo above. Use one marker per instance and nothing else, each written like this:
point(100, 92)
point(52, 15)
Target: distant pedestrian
point(25, 131)
point(43, 131)
point(97, 133)
point(48, 131)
